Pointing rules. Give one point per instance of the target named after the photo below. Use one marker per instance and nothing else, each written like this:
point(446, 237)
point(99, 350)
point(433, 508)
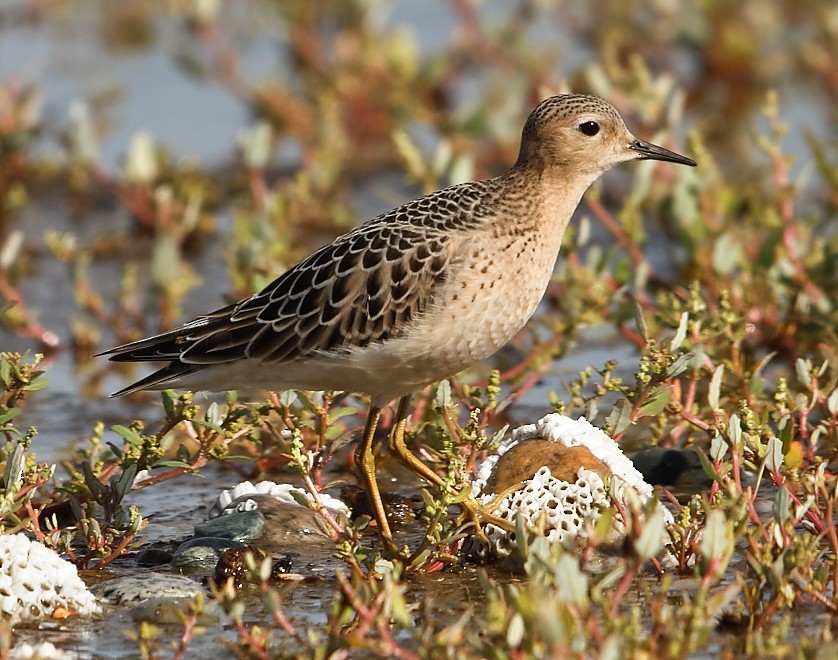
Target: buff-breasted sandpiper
point(412, 296)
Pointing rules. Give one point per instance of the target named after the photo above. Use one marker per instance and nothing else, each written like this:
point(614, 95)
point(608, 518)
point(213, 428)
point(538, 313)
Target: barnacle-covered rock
point(238, 498)
point(36, 584)
point(560, 474)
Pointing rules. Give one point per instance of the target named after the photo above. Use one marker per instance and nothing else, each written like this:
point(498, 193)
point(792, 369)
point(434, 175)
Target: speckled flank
point(413, 295)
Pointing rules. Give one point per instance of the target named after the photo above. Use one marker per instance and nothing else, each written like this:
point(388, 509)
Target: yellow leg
point(365, 462)
point(402, 453)
point(471, 508)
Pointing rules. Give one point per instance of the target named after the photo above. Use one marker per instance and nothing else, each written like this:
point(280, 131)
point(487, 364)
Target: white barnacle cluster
point(35, 582)
point(562, 509)
point(565, 507)
point(237, 499)
point(39, 651)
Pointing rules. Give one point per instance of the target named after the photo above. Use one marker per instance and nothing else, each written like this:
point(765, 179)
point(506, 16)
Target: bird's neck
point(552, 194)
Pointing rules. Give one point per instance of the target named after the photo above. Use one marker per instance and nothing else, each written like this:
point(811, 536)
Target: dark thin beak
point(649, 151)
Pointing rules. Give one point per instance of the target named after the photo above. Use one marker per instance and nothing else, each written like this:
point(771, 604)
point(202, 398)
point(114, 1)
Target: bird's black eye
point(589, 128)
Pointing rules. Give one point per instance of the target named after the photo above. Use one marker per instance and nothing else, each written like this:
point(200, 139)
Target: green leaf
point(786, 429)
point(129, 435)
point(679, 366)
point(734, 431)
point(804, 371)
point(620, 417)
point(288, 398)
point(8, 414)
point(657, 400)
point(13, 470)
point(96, 487)
point(125, 481)
point(681, 333)
point(726, 251)
point(641, 322)
point(774, 455)
point(36, 385)
point(5, 371)
point(714, 392)
point(782, 505)
point(718, 447)
point(571, 583)
point(717, 537)
point(169, 398)
point(213, 415)
point(602, 527)
point(172, 464)
point(300, 498)
point(346, 411)
point(651, 539)
point(443, 394)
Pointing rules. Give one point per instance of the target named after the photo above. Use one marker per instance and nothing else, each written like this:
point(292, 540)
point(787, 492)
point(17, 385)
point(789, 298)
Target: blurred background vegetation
point(159, 158)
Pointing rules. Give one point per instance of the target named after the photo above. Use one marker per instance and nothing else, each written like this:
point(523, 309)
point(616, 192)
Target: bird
point(412, 296)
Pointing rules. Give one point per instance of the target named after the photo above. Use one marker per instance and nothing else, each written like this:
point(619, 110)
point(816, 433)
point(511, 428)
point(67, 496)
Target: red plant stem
point(186, 638)
point(256, 649)
point(199, 462)
point(622, 588)
point(116, 552)
point(833, 541)
point(630, 246)
point(33, 516)
point(736, 469)
point(695, 421)
point(336, 528)
point(283, 622)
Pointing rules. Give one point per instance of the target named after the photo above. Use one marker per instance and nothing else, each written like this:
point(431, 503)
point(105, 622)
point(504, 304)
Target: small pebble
point(202, 551)
point(400, 510)
point(234, 565)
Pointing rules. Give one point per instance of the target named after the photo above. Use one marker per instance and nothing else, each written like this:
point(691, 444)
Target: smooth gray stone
point(133, 589)
point(167, 610)
point(672, 467)
point(244, 526)
point(202, 551)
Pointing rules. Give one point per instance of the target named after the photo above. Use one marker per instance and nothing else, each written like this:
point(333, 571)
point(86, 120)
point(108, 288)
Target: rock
point(241, 498)
point(523, 460)
point(680, 468)
point(400, 510)
point(233, 564)
point(134, 589)
point(36, 584)
point(39, 651)
point(202, 552)
point(569, 472)
point(169, 610)
point(244, 526)
point(292, 529)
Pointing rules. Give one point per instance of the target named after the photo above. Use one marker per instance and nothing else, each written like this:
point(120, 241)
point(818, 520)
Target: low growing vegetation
point(721, 278)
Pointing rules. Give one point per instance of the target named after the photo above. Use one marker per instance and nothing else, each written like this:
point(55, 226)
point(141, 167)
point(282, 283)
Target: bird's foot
point(480, 515)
